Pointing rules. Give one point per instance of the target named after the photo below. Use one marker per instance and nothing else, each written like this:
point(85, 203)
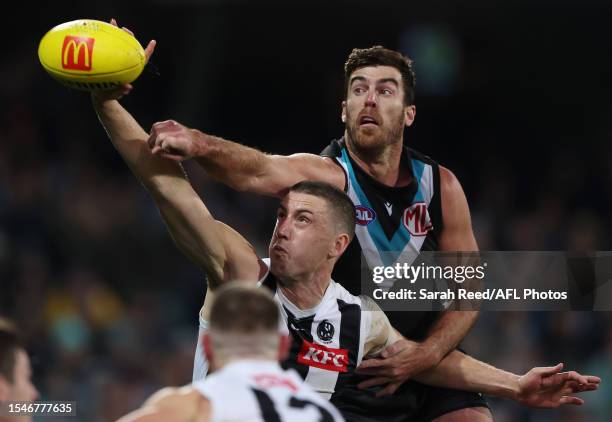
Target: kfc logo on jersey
point(365, 215)
point(319, 356)
point(416, 219)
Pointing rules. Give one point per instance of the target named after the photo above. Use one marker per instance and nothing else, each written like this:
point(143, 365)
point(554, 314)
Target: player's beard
point(376, 140)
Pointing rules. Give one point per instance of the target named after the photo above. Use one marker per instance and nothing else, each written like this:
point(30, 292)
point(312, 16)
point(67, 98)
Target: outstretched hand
point(546, 387)
point(118, 93)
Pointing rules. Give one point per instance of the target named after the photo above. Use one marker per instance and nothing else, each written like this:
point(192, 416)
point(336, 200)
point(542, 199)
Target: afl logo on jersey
point(365, 215)
point(325, 331)
point(416, 219)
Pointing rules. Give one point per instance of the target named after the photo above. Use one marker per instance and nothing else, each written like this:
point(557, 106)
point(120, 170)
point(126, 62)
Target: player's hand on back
point(546, 387)
point(125, 89)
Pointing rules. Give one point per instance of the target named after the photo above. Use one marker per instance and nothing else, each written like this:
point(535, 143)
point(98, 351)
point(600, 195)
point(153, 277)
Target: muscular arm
point(457, 235)
point(241, 167)
point(212, 245)
point(540, 387)
point(171, 404)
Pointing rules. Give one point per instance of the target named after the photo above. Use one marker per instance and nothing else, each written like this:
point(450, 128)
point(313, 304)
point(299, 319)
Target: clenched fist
point(172, 140)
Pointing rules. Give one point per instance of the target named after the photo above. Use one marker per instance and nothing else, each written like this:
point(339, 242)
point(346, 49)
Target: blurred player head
point(379, 97)
point(244, 324)
point(315, 223)
point(15, 371)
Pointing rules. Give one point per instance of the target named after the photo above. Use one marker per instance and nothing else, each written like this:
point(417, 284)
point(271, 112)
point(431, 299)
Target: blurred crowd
point(108, 305)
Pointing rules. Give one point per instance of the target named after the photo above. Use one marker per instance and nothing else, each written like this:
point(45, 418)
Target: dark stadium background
point(514, 97)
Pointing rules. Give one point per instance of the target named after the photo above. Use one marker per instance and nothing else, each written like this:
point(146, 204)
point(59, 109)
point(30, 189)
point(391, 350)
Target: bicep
point(457, 234)
point(285, 171)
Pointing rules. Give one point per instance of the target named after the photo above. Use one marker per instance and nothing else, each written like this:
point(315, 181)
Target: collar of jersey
point(305, 313)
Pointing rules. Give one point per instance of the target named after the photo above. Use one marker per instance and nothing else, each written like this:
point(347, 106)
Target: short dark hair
point(380, 56)
point(240, 308)
point(338, 202)
point(10, 343)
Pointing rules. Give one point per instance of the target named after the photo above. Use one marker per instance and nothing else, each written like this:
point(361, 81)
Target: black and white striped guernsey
point(328, 340)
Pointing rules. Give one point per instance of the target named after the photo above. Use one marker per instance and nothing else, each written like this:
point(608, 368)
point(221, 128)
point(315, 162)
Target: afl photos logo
point(365, 215)
point(416, 219)
point(325, 331)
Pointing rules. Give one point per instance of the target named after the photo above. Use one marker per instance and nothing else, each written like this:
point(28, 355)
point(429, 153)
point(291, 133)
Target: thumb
point(551, 370)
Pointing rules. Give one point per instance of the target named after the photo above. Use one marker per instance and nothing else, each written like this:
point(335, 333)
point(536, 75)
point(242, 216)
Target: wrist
point(433, 352)
point(201, 142)
point(514, 388)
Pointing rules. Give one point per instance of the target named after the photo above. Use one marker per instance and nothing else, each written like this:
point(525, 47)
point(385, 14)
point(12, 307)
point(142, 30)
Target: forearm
point(447, 332)
point(130, 140)
point(462, 372)
point(233, 164)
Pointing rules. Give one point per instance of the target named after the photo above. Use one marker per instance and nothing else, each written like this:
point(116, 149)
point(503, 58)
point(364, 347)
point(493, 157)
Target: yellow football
point(91, 55)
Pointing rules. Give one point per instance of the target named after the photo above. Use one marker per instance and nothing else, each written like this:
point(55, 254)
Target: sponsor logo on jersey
point(416, 219)
point(323, 357)
point(325, 331)
point(77, 53)
point(389, 207)
point(271, 380)
point(365, 215)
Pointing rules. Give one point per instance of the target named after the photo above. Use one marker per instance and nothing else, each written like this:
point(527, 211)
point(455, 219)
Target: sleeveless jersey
point(327, 340)
point(391, 221)
point(261, 391)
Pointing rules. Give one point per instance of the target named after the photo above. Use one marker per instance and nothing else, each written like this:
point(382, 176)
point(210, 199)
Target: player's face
point(22, 389)
point(374, 110)
point(303, 236)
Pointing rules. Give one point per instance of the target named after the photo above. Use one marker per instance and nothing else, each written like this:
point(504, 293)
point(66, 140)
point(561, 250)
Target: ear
point(409, 114)
point(284, 345)
point(340, 244)
point(4, 389)
point(343, 114)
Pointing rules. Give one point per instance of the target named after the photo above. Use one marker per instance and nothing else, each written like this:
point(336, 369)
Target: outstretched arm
point(544, 387)
point(241, 167)
point(540, 387)
point(221, 252)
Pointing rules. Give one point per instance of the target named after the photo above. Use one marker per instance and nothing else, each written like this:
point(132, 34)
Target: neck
point(383, 164)
point(307, 291)
point(220, 363)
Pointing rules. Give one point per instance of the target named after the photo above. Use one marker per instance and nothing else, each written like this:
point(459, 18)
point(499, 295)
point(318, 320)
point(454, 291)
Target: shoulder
point(344, 295)
point(450, 187)
point(183, 403)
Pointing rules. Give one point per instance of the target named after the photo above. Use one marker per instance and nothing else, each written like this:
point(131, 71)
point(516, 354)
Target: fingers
point(550, 370)
point(127, 30)
point(593, 379)
point(373, 381)
point(393, 349)
point(389, 389)
point(372, 364)
point(571, 400)
point(150, 48)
